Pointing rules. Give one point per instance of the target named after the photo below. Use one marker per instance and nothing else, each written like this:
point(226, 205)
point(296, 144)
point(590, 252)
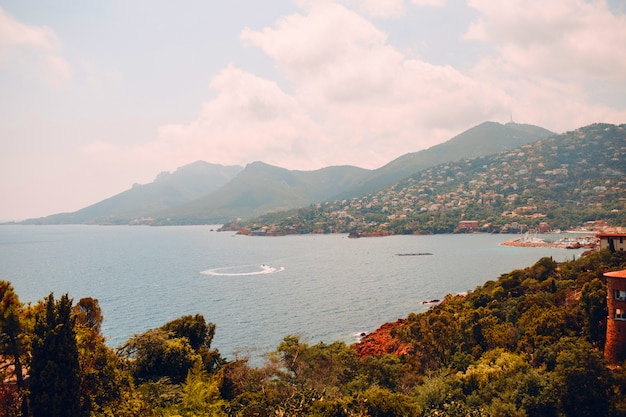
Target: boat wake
point(243, 271)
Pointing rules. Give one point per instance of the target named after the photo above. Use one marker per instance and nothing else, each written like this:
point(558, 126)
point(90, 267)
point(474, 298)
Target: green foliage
point(104, 384)
point(172, 350)
point(583, 380)
point(565, 180)
point(13, 351)
point(199, 334)
point(154, 355)
point(198, 396)
point(527, 344)
point(54, 370)
point(592, 300)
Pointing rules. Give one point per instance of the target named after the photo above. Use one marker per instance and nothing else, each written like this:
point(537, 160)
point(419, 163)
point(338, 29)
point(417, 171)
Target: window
point(620, 314)
point(619, 295)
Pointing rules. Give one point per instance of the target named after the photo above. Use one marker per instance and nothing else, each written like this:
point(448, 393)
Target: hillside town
point(571, 181)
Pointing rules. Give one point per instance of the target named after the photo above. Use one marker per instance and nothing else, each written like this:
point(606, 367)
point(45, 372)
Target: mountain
point(185, 184)
point(202, 193)
point(485, 139)
point(262, 188)
point(562, 181)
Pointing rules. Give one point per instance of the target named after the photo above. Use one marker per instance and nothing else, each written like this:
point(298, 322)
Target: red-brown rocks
point(381, 342)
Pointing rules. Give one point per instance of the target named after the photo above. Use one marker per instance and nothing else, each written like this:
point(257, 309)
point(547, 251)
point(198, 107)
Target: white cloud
point(432, 3)
point(552, 56)
point(353, 98)
point(55, 71)
point(356, 99)
point(42, 42)
point(381, 8)
point(14, 33)
point(555, 38)
point(390, 8)
point(249, 119)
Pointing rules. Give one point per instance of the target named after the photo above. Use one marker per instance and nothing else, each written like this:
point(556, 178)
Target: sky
point(97, 96)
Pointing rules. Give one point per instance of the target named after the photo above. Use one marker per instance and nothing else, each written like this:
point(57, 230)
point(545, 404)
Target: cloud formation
point(554, 38)
point(353, 98)
point(552, 57)
point(14, 33)
point(307, 84)
point(34, 48)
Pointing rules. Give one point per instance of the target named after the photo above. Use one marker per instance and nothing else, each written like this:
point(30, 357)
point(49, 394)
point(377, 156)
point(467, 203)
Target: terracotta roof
point(601, 235)
point(616, 274)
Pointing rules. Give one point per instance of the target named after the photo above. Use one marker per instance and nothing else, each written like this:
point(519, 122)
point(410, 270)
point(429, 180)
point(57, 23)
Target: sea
point(257, 290)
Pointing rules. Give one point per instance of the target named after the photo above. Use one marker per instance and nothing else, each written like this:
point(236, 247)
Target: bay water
point(257, 290)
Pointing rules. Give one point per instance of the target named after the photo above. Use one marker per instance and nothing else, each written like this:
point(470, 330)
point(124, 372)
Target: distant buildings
point(468, 225)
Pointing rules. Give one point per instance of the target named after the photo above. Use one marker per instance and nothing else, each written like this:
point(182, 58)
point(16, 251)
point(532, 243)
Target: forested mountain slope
point(485, 139)
point(261, 188)
point(563, 180)
point(201, 193)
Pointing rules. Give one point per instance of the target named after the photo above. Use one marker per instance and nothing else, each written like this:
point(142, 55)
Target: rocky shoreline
point(382, 341)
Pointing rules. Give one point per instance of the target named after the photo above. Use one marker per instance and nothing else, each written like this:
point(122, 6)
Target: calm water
point(256, 290)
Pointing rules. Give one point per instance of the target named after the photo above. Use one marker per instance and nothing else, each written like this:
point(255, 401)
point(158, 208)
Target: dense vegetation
point(565, 181)
point(527, 344)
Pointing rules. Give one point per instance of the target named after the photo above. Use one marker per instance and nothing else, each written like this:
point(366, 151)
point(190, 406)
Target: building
point(470, 225)
point(615, 346)
point(615, 242)
point(544, 227)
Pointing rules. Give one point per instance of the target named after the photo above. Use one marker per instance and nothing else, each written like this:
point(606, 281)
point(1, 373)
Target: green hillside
point(202, 193)
point(485, 139)
point(262, 188)
point(564, 181)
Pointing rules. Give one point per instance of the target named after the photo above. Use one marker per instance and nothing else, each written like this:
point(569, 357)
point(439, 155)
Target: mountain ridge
point(562, 181)
point(186, 183)
point(468, 144)
point(235, 192)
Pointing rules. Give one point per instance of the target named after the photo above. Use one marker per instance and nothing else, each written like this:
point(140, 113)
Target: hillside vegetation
point(526, 344)
point(262, 188)
point(564, 181)
point(485, 139)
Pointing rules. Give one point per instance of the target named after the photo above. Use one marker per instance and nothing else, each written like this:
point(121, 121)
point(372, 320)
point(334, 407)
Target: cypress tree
point(55, 371)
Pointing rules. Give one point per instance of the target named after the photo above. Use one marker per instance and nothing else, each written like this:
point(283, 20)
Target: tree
point(201, 395)
point(55, 371)
point(103, 382)
point(199, 334)
point(154, 355)
point(13, 344)
point(583, 380)
point(593, 301)
point(172, 350)
point(88, 314)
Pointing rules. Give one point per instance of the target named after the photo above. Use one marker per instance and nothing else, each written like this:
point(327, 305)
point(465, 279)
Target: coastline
point(526, 241)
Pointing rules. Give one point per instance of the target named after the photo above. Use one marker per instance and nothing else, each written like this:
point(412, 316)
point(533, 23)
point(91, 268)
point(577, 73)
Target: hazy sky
point(98, 95)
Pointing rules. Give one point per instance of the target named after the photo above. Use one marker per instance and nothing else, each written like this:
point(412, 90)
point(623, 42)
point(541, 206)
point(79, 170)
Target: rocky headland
point(382, 341)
